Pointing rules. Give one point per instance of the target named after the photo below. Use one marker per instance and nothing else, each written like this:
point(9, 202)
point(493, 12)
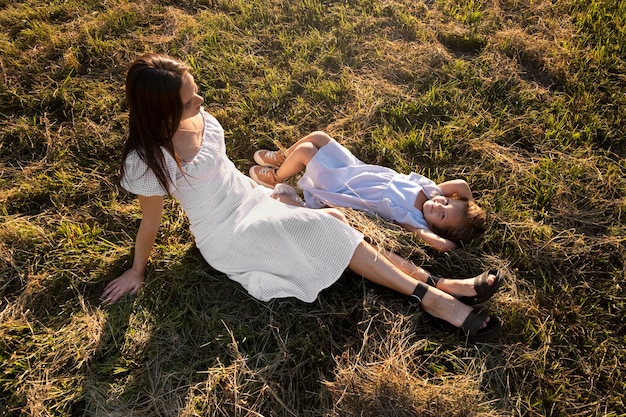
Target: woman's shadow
point(150, 347)
point(192, 338)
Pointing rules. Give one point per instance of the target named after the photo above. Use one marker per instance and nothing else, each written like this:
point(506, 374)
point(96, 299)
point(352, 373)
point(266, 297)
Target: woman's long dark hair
point(153, 84)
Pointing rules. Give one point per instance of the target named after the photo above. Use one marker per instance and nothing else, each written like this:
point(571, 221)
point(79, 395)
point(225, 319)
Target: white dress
point(273, 250)
point(336, 178)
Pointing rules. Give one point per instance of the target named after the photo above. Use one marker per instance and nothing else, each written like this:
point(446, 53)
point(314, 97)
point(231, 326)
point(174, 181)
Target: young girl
point(442, 215)
point(272, 249)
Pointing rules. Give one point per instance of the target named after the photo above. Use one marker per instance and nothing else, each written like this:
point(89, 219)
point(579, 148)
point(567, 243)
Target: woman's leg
point(456, 287)
point(289, 200)
point(288, 195)
point(375, 266)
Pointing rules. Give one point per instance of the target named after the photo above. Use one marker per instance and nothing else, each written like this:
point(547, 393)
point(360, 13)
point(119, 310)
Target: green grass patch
point(525, 100)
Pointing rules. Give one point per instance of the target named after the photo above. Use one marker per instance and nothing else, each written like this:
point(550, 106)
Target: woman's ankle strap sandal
point(432, 280)
point(421, 288)
point(420, 291)
point(471, 330)
point(484, 291)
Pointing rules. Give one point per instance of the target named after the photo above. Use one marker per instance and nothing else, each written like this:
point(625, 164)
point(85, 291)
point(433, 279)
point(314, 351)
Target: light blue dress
point(273, 250)
point(336, 178)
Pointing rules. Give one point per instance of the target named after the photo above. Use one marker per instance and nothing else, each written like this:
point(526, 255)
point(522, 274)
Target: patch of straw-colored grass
point(522, 99)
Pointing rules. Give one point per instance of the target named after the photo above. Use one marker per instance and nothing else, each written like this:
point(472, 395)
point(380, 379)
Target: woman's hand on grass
point(127, 283)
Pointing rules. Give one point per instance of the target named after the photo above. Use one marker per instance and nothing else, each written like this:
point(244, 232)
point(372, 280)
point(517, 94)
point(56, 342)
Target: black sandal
point(471, 329)
point(484, 291)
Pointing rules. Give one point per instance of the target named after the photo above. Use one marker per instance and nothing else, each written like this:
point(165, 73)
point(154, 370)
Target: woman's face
point(192, 102)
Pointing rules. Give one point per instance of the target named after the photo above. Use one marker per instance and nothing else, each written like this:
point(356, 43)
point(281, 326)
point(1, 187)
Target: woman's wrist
point(139, 270)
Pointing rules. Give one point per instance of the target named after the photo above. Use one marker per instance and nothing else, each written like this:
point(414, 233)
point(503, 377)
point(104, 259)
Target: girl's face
point(192, 102)
point(444, 212)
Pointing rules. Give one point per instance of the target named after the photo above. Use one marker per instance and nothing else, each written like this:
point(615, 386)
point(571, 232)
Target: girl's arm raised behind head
point(458, 186)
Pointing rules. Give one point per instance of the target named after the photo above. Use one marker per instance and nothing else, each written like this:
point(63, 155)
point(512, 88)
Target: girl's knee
point(305, 151)
point(319, 138)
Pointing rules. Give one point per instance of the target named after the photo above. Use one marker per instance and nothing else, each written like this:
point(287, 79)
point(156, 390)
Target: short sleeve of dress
point(429, 187)
point(141, 180)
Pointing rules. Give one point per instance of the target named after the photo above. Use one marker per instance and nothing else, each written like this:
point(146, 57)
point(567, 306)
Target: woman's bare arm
point(131, 280)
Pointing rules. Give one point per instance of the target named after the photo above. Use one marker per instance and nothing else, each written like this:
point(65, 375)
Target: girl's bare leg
point(457, 287)
point(317, 138)
point(376, 267)
point(300, 153)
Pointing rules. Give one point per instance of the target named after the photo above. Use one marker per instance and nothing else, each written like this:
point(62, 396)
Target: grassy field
point(526, 100)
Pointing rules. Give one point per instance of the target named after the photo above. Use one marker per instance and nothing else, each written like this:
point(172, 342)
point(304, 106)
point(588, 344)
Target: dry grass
point(523, 99)
point(391, 374)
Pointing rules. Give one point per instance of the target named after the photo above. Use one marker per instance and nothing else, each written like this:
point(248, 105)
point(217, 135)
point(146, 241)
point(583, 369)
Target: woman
point(272, 249)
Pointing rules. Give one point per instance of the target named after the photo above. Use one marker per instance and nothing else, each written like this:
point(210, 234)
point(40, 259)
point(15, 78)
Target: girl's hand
point(127, 283)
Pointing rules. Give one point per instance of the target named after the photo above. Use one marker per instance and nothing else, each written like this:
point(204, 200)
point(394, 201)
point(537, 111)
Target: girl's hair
point(153, 84)
point(474, 223)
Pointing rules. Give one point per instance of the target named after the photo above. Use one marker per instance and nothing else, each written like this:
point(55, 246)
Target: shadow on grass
point(192, 341)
